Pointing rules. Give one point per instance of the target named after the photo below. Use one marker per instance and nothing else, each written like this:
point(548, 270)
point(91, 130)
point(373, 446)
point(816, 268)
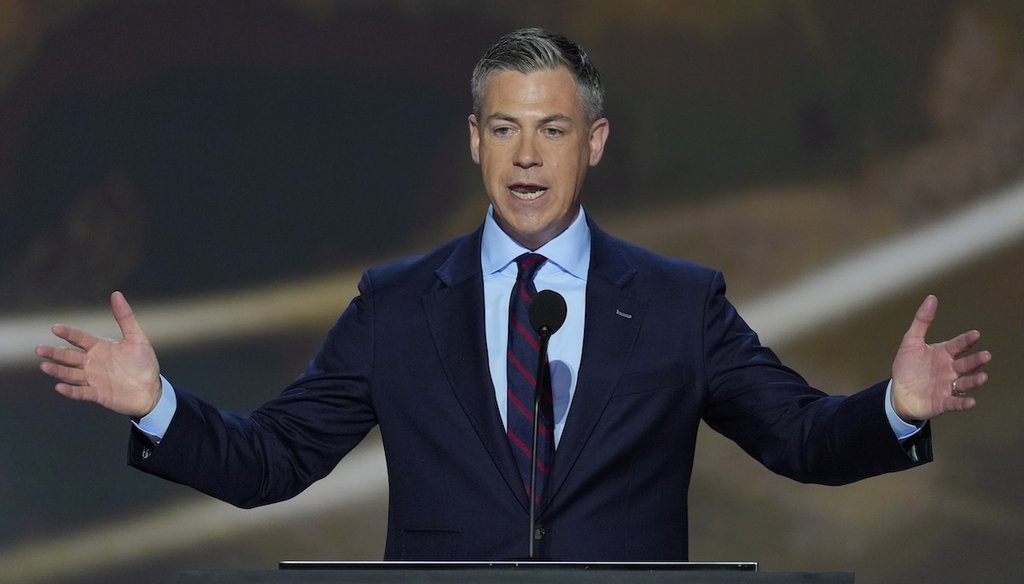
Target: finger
point(959, 404)
point(125, 317)
point(971, 383)
point(75, 392)
point(962, 343)
point(971, 363)
point(46, 351)
point(68, 375)
point(76, 337)
point(922, 319)
point(62, 356)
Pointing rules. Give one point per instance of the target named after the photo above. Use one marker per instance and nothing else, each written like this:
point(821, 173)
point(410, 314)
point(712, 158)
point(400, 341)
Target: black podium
point(513, 573)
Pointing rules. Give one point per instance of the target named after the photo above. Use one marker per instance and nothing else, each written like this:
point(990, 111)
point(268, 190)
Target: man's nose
point(527, 154)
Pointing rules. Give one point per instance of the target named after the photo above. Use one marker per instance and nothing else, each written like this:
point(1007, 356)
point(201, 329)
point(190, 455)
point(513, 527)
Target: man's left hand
point(929, 380)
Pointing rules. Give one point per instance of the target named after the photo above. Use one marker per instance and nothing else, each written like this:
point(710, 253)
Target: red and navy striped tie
point(523, 353)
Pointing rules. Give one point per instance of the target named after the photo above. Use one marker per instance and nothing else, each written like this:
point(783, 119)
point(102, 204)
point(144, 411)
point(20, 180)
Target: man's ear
point(474, 138)
point(598, 137)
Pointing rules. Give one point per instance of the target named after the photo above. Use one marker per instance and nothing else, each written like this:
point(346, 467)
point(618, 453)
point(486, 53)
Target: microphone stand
point(543, 379)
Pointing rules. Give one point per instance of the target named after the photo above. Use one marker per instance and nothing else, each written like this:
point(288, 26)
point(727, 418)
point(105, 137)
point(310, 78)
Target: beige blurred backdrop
point(233, 166)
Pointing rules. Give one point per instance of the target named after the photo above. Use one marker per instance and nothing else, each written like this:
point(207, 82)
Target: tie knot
point(528, 264)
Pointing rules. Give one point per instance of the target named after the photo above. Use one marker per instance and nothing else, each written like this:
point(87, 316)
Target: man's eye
point(554, 132)
point(502, 131)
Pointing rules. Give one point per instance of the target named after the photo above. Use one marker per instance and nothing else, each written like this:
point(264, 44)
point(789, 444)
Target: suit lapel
point(613, 319)
point(455, 313)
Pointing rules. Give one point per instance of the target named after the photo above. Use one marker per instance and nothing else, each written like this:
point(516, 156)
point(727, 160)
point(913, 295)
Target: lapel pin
point(623, 314)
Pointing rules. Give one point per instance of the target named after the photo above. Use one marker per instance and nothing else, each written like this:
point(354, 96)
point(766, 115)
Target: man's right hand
point(122, 376)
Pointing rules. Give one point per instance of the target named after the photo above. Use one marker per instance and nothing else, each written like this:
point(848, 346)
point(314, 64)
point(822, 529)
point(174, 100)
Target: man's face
point(533, 144)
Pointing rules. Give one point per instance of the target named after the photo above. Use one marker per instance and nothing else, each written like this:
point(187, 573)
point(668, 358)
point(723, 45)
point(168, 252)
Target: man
point(650, 347)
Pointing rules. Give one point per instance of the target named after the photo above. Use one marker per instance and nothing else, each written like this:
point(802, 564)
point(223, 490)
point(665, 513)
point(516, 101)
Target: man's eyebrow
point(556, 118)
point(503, 117)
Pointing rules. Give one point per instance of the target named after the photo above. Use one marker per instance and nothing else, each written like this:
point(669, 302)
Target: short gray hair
point(535, 49)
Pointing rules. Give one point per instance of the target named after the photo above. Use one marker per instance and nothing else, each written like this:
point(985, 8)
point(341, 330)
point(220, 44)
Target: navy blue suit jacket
point(663, 349)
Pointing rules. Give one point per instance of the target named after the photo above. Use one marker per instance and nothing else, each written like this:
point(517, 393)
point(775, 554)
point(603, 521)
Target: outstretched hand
point(122, 376)
point(929, 380)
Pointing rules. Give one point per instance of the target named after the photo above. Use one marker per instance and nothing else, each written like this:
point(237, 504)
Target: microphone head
point(547, 311)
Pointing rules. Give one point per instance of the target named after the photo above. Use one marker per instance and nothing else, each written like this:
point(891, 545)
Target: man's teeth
point(528, 195)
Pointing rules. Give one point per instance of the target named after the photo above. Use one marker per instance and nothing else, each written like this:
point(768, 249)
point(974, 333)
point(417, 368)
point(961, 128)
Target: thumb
point(125, 318)
point(923, 319)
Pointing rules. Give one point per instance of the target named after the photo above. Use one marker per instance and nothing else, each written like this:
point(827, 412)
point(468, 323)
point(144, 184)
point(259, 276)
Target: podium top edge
point(512, 564)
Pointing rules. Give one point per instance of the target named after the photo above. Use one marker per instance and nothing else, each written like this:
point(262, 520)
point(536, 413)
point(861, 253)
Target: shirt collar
point(570, 251)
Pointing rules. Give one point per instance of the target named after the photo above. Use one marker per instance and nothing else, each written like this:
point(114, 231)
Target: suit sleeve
point(287, 443)
point(792, 428)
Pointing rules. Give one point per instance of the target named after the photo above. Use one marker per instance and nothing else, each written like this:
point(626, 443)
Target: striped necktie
point(523, 354)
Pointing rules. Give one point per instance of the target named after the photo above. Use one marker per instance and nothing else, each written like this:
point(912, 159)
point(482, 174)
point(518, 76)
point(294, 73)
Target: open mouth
point(527, 192)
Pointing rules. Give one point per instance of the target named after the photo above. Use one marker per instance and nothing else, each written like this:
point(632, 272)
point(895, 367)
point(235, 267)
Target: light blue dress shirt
point(565, 272)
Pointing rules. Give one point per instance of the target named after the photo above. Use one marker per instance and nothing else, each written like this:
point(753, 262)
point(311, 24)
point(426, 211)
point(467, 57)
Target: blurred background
point(233, 166)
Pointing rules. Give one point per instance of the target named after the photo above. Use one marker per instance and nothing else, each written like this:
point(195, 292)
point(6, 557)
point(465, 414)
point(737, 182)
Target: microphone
point(547, 314)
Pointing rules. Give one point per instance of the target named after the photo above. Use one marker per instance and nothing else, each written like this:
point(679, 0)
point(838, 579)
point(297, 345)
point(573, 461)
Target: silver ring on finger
point(957, 392)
